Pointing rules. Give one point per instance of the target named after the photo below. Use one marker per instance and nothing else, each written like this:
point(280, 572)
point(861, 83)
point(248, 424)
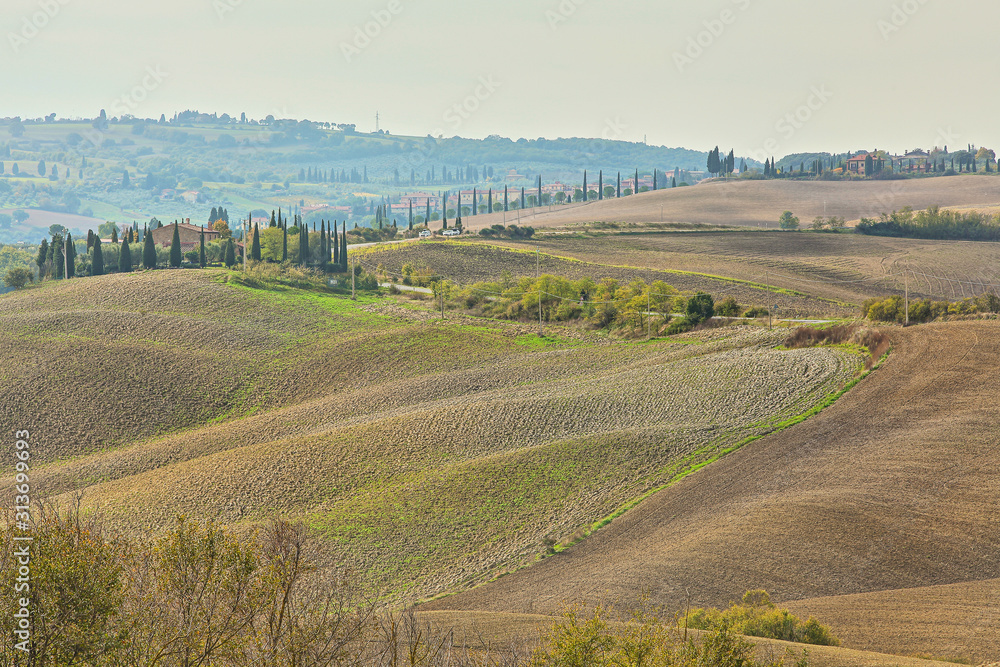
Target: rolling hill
point(427, 454)
point(879, 515)
point(760, 203)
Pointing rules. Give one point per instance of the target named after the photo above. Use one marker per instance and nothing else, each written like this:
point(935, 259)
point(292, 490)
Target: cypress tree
point(506, 206)
point(635, 190)
point(97, 259)
point(343, 249)
point(230, 258)
point(114, 235)
point(148, 252)
point(324, 252)
point(284, 244)
point(202, 258)
point(539, 189)
point(213, 216)
point(255, 245)
point(444, 212)
point(43, 256)
point(125, 258)
point(427, 215)
point(71, 255)
point(619, 184)
point(175, 247)
point(411, 214)
point(524, 201)
point(475, 203)
point(600, 185)
point(673, 182)
point(490, 202)
point(303, 245)
point(584, 185)
point(336, 245)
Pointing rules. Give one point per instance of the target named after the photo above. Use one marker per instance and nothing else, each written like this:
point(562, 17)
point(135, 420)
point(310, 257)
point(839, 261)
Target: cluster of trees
point(756, 616)
point(893, 308)
point(934, 223)
point(508, 232)
point(722, 164)
point(325, 248)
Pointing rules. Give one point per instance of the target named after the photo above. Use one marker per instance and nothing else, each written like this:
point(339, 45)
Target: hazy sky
point(763, 76)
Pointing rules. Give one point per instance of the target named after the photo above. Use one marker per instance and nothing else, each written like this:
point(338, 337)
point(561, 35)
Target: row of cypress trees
point(332, 243)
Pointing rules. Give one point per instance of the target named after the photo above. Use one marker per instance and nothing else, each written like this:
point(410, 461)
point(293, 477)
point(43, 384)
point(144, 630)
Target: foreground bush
point(757, 616)
point(893, 308)
point(644, 641)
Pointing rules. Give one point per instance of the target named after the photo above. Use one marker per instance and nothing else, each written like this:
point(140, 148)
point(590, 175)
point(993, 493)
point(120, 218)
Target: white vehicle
point(426, 233)
point(451, 232)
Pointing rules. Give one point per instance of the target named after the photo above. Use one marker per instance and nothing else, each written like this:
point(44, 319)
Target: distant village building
point(190, 235)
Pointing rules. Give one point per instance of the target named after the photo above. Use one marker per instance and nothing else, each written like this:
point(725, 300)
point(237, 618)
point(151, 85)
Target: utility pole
point(906, 283)
point(769, 308)
point(244, 234)
point(541, 334)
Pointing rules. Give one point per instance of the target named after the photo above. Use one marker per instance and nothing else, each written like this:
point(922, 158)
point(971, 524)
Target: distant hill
point(184, 166)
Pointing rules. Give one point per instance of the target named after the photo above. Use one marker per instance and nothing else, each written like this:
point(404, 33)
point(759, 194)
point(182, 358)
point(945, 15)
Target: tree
point(202, 259)
point(70, 256)
point(175, 247)
point(18, 276)
point(97, 259)
point(343, 249)
point(284, 244)
point(114, 235)
point(700, 307)
point(222, 227)
point(125, 180)
point(125, 258)
point(336, 245)
point(148, 252)
point(303, 244)
point(787, 221)
point(230, 253)
point(255, 246)
point(43, 256)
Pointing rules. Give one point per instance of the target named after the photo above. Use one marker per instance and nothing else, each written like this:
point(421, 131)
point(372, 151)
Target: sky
point(765, 77)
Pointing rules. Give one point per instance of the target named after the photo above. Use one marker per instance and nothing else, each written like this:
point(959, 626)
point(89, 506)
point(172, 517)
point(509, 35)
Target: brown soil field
point(843, 267)
point(893, 488)
point(427, 454)
point(760, 203)
point(466, 263)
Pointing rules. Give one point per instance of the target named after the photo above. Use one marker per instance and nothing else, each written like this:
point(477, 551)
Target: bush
point(756, 616)
point(756, 311)
point(727, 307)
point(18, 277)
point(700, 307)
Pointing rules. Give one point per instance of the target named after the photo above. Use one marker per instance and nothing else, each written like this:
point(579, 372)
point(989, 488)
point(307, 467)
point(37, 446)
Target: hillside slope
point(896, 486)
point(427, 454)
point(760, 203)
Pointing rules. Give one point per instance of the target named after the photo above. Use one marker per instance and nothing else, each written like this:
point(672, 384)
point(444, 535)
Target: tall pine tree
point(70, 256)
point(175, 247)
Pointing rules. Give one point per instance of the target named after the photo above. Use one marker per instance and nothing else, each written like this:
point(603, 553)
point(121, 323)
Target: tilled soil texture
point(428, 455)
point(761, 203)
point(466, 263)
point(843, 267)
point(896, 486)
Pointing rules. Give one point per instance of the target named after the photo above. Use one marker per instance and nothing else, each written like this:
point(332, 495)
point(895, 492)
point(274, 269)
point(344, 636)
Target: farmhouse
point(856, 164)
point(190, 235)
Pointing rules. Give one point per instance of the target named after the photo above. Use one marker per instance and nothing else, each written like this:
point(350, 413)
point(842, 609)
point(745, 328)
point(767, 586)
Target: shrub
point(18, 277)
point(756, 616)
point(700, 307)
point(756, 311)
point(727, 307)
